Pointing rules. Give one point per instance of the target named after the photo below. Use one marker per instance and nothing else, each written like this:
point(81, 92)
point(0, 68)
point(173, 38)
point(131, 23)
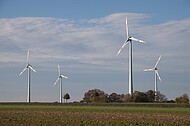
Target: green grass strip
point(101, 122)
point(96, 108)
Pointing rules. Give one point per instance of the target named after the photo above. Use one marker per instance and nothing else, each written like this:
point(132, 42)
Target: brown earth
point(75, 117)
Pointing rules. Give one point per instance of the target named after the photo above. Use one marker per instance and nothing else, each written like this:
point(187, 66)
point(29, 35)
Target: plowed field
point(11, 115)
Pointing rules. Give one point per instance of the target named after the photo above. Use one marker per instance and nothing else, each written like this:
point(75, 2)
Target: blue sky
point(84, 37)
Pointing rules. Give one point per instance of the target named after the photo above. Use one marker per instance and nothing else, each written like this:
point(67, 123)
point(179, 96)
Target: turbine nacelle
point(62, 76)
point(27, 66)
point(128, 39)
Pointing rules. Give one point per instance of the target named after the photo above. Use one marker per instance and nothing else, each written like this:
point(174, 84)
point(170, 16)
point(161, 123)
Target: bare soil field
point(11, 115)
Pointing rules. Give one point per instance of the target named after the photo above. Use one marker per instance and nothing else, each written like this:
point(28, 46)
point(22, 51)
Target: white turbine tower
point(155, 69)
point(129, 40)
point(60, 77)
point(28, 66)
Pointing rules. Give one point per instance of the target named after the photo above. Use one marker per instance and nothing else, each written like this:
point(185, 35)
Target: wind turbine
point(155, 69)
point(28, 66)
point(60, 77)
point(129, 40)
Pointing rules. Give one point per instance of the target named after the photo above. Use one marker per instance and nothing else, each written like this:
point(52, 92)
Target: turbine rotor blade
point(31, 68)
point(22, 71)
point(127, 31)
point(158, 76)
point(148, 69)
point(28, 56)
point(59, 69)
point(125, 43)
point(64, 76)
point(56, 81)
point(131, 38)
point(157, 62)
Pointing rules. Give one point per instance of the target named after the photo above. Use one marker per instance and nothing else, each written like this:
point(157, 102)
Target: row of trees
point(96, 95)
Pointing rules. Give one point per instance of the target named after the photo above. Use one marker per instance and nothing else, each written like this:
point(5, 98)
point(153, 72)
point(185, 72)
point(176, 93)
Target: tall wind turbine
point(155, 69)
point(129, 40)
point(28, 66)
point(60, 77)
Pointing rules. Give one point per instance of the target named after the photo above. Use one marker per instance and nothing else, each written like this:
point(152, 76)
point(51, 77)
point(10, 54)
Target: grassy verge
point(97, 108)
point(155, 105)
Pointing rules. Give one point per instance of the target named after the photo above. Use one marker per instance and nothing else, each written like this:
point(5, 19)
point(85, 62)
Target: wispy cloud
point(92, 42)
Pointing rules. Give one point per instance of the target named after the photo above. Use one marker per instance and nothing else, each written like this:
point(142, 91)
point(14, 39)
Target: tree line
point(96, 95)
